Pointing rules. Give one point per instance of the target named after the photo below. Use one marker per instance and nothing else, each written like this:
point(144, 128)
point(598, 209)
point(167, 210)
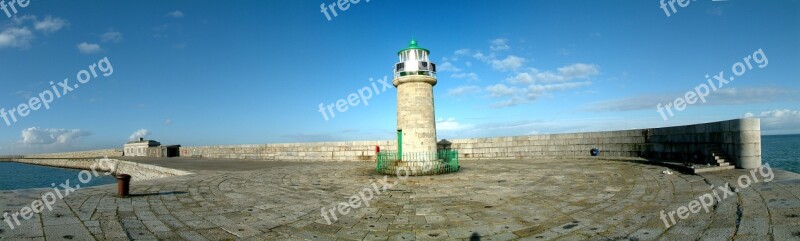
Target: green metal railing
point(418, 163)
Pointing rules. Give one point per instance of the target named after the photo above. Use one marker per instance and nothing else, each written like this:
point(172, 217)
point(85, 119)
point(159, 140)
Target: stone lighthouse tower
point(414, 77)
point(417, 154)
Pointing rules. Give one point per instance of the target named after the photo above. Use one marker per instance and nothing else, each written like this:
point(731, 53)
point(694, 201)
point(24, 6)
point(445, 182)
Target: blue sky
point(249, 72)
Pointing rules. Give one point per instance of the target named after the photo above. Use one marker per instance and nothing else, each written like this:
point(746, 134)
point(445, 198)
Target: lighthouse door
point(400, 144)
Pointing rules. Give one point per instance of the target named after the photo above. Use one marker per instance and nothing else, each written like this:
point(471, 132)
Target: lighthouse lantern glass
point(414, 61)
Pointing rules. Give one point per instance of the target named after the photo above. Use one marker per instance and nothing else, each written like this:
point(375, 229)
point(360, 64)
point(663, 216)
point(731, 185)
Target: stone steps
point(713, 169)
point(720, 158)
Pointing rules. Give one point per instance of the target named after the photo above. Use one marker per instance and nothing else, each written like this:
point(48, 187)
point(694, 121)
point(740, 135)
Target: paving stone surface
point(542, 199)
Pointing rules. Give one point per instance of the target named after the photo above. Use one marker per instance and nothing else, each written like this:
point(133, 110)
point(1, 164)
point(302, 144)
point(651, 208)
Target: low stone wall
point(138, 172)
point(79, 154)
point(740, 138)
point(319, 151)
point(8, 158)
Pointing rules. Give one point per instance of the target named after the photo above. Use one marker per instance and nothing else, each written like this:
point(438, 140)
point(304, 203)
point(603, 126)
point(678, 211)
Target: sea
point(23, 176)
point(780, 151)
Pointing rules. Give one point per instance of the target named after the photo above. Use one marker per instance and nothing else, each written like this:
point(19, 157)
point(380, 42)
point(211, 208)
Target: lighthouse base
point(444, 161)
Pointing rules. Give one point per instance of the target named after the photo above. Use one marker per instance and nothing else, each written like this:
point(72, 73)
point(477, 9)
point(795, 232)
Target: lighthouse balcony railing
point(415, 68)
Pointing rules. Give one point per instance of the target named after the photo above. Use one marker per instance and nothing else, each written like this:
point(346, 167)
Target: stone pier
point(511, 199)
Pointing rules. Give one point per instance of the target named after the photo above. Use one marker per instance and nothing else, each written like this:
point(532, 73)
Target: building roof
point(148, 142)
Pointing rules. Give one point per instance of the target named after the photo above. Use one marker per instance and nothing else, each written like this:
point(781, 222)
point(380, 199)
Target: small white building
point(140, 147)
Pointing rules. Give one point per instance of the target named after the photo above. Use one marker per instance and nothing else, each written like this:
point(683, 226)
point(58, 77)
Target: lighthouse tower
point(414, 77)
point(417, 154)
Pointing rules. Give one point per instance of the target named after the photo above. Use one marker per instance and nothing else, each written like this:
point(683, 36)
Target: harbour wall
point(138, 171)
point(80, 154)
point(739, 138)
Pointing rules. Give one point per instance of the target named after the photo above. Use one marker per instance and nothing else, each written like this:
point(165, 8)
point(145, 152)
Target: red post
point(123, 185)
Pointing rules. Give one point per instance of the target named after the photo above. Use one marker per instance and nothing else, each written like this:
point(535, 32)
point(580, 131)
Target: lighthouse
point(414, 78)
point(417, 154)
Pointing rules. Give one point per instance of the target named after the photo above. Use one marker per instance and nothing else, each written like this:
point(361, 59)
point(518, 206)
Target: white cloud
point(15, 37)
point(111, 36)
point(517, 95)
point(533, 84)
point(18, 32)
point(778, 121)
point(731, 96)
point(168, 121)
point(447, 66)
point(546, 77)
point(631, 103)
point(485, 58)
point(512, 101)
point(50, 24)
point(463, 90)
point(468, 76)
point(524, 84)
point(753, 95)
point(35, 136)
point(501, 90)
point(499, 44)
point(536, 91)
point(579, 70)
point(20, 20)
point(511, 62)
point(176, 14)
point(462, 52)
point(521, 78)
point(450, 124)
point(88, 48)
point(141, 133)
point(566, 73)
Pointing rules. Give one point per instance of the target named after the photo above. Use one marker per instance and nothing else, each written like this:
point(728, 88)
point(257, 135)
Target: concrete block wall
point(320, 151)
point(79, 154)
point(629, 143)
point(138, 171)
point(740, 139)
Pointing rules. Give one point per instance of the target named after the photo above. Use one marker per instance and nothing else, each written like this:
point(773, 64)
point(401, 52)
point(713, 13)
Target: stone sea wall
point(138, 172)
point(740, 138)
point(318, 151)
point(79, 154)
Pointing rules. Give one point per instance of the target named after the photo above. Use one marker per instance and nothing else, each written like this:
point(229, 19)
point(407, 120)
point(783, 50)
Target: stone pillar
point(746, 142)
point(415, 113)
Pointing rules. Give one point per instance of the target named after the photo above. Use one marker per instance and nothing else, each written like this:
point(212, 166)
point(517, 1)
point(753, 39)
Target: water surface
point(781, 152)
point(23, 176)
